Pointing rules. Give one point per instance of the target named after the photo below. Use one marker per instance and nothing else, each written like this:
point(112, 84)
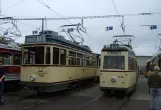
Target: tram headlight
point(32, 78)
point(113, 79)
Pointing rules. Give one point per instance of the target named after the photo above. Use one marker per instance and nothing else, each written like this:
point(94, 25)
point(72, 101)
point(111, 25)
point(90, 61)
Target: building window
point(63, 57)
point(55, 55)
point(48, 55)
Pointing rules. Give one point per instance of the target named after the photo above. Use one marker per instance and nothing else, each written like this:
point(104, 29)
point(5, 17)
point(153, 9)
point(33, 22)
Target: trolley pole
point(160, 41)
point(0, 7)
point(42, 24)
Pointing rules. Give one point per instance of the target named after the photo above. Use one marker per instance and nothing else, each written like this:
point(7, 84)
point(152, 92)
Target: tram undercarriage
point(53, 87)
point(119, 92)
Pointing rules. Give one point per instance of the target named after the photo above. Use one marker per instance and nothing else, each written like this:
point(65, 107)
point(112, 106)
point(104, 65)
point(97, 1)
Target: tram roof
point(9, 44)
point(119, 48)
point(48, 36)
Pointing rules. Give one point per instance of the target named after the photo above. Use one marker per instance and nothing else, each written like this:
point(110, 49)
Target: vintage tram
point(119, 69)
point(10, 55)
point(154, 60)
point(52, 63)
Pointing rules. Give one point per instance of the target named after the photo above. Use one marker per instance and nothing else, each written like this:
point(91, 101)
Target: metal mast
point(0, 7)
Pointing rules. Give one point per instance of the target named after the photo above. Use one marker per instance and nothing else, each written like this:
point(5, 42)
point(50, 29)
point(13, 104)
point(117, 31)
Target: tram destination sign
point(114, 46)
point(115, 53)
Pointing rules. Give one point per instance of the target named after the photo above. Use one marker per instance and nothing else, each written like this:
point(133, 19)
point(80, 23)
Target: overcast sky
point(145, 42)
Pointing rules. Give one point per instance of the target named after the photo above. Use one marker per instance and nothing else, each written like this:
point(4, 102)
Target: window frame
point(11, 59)
point(106, 67)
point(19, 58)
point(24, 53)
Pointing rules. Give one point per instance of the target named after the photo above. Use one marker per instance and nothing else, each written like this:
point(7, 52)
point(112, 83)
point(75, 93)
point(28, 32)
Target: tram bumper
point(127, 90)
point(45, 87)
point(112, 88)
point(35, 84)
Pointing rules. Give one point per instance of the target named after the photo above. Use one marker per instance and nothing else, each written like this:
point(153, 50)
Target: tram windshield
point(114, 62)
point(33, 55)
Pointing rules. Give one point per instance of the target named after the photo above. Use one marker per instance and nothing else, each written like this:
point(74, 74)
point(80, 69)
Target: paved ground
point(87, 99)
point(140, 98)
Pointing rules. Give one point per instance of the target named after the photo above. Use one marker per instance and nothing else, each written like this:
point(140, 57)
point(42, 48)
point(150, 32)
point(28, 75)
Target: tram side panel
point(107, 83)
point(55, 76)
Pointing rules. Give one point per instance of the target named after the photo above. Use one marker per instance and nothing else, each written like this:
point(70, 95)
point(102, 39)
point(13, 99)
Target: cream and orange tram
point(119, 70)
point(52, 63)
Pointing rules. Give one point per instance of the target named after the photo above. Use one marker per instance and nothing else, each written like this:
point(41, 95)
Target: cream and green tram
point(118, 71)
point(52, 63)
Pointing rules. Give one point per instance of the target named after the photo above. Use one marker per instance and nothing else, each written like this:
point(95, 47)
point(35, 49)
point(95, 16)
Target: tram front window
point(114, 62)
point(33, 55)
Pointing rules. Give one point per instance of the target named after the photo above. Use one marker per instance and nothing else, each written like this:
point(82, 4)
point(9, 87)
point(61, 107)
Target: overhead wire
point(84, 17)
point(95, 16)
point(43, 3)
point(28, 25)
point(15, 4)
point(127, 26)
point(21, 22)
point(116, 10)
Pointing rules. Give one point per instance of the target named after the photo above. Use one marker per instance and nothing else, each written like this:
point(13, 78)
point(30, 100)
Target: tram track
point(58, 95)
point(124, 103)
point(33, 102)
point(91, 102)
point(120, 107)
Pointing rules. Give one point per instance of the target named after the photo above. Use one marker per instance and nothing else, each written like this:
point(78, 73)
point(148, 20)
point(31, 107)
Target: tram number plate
point(41, 74)
point(38, 38)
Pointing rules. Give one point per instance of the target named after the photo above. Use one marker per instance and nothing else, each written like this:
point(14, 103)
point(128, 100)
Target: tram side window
point(79, 59)
point(114, 62)
point(48, 55)
point(131, 63)
point(33, 55)
point(55, 55)
point(16, 59)
point(87, 60)
point(6, 58)
point(39, 55)
point(94, 61)
point(90, 61)
point(63, 57)
point(72, 58)
point(98, 62)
